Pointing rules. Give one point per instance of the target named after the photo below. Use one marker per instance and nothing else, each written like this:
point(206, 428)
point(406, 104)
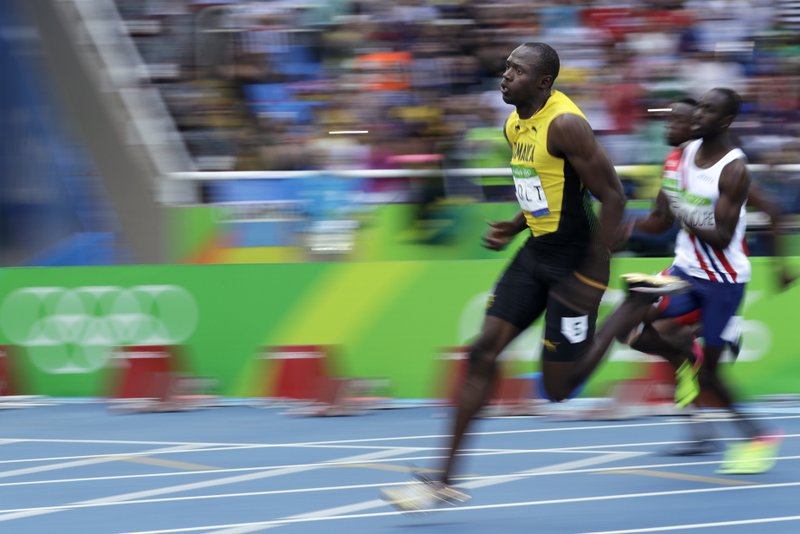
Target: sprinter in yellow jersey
point(562, 269)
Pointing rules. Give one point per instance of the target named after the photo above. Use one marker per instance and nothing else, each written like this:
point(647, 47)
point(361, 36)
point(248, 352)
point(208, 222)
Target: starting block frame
point(9, 375)
point(651, 394)
point(152, 378)
point(511, 396)
point(306, 376)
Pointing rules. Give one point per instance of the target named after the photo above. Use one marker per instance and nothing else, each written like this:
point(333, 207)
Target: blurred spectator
point(258, 84)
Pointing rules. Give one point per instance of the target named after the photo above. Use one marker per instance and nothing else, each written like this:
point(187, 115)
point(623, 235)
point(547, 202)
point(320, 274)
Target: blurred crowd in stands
point(258, 85)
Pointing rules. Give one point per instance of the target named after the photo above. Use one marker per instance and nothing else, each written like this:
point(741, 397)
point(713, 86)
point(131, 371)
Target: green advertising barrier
point(391, 232)
point(389, 319)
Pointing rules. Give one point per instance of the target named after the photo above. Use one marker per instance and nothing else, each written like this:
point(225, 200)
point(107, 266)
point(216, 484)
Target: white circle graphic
point(72, 330)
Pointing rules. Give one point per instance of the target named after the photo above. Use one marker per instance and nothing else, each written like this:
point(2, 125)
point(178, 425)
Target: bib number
point(697, 211)
point(530, 195)
point(699, 217)
point(575, 329)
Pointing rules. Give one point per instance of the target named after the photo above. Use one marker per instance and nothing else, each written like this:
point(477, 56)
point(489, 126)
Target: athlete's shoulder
point(689, 148)
point(736, 166)
point(562, 105)
point(738, 154)
point(734, 160)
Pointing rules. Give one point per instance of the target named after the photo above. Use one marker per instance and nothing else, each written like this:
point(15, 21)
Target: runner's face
point(520, 78)
point(679, 124)
point(710, 115)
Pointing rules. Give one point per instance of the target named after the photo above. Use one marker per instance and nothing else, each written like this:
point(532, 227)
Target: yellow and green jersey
point(555, 202)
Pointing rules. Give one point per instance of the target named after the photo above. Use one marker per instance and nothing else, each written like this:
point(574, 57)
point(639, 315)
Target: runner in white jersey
point(711, 256)
point(694, 201)
point(674, 338)
point(706, 192)
point(708, 197)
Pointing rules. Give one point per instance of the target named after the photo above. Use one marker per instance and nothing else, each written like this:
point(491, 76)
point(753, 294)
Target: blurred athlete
point(705, 188)
point(675, 339)
point(562, 269)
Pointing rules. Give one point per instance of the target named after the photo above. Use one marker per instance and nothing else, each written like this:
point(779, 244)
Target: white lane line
point(592, 448)
point(174, 450)
point(99, 459)
point(283, 466)
point(622, 496)
point(506, 452)
point(565, 466)
point(589, 449)
point(578, 449)
point(171, 450)
point(690, 526)
point(244, 447)
point(475, 452)
point(198, 485)
point(204, 497)
point(598, 470)
point(549, 472)
point(473, 484)
point(598, 426)
point(122, 457)
point(116, 441)
point(376, 485)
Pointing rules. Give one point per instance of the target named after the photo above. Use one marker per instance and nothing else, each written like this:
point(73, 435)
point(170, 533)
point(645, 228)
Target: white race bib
point(693, 209)
point(699, 216)
point(530, 194)
point(575, 329)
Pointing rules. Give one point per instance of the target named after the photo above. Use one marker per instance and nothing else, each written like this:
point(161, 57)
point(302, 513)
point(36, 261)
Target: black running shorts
point(521, 295)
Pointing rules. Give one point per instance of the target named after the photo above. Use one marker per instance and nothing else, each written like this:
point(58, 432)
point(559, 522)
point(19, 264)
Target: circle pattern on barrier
point(72, 330)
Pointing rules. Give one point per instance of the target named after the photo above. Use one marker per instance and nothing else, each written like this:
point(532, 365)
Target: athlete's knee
point(483, 358)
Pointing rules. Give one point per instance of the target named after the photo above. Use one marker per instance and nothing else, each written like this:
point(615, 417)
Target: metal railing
point(203, 176)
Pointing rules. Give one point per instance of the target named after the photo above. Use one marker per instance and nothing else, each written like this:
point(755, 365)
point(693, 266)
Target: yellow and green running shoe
point(687, 386)
point(752, 457)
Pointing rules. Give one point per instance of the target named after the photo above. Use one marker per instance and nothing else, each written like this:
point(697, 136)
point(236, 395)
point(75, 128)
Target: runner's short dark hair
point(734, 101)
point(547, 62)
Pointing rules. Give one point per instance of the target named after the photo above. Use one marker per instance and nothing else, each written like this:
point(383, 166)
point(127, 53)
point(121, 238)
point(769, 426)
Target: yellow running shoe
point(751, 458)
point(687, 386)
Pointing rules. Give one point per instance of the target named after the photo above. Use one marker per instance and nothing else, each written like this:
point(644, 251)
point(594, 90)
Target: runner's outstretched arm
point(501, 233)
point(659, 220)
point(571, 137)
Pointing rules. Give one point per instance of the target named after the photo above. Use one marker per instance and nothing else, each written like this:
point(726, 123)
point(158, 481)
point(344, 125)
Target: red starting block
point(651, 393)
point(8, 377)
point(299, 372)
point(511, 395)
point(454, 364)
point(308, 374)
point(145, 372)
point(659, 377)
point(152, 378)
